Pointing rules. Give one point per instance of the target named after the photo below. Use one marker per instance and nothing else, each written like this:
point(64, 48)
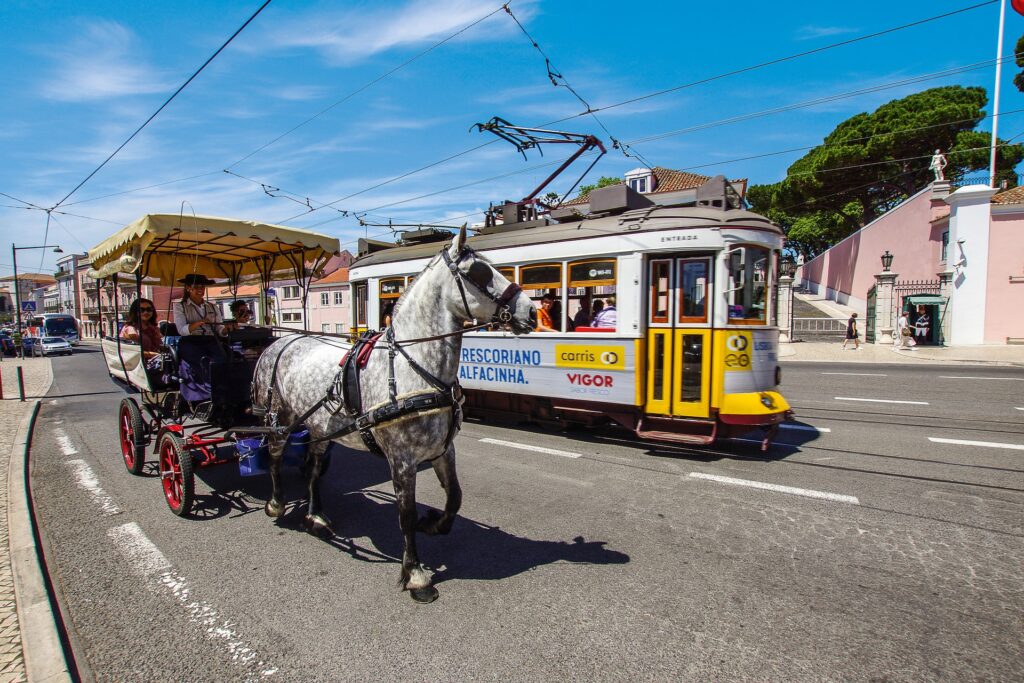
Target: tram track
point(906, 420)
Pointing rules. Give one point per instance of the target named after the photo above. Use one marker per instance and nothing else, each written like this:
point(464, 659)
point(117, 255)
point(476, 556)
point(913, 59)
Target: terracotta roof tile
point(340, 275)
point(1011, 196)
point(667, 180)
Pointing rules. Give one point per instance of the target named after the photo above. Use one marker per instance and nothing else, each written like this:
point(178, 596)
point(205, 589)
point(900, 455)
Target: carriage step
point(696, 439)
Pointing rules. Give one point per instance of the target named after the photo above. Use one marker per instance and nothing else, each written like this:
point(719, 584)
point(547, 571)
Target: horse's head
point(485, 294)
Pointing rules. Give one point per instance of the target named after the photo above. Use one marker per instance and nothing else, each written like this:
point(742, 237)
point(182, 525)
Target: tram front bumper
point(754, 409)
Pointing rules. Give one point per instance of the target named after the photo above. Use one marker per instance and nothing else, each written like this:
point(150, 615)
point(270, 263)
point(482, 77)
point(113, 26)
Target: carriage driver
point(193, 314)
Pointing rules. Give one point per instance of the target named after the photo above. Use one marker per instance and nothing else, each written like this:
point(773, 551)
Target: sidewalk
point(13, 413)
point(886, 353)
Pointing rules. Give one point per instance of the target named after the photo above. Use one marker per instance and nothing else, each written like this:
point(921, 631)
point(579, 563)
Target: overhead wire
point(559, 80)
point(709, 79)
point(166, 102)
point(779, 60)
point(369, 85)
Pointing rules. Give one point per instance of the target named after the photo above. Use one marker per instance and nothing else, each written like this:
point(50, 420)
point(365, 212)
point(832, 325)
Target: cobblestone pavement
point(12, 410)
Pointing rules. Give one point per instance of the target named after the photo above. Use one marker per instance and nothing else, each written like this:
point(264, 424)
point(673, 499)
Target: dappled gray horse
point(409, 390)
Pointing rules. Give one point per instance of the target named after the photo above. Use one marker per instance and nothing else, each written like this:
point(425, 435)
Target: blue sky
point(78, 78)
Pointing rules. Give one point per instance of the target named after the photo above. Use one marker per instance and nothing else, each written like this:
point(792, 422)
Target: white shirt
point(187, 311)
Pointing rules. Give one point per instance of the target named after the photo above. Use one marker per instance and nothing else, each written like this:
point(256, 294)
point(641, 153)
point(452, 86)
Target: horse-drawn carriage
point(397, 395)
point(192, 416)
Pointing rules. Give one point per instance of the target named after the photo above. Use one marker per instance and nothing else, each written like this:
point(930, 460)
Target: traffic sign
point(28, 306)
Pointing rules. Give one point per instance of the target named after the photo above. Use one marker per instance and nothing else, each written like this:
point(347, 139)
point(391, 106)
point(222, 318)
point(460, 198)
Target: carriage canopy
point(167, 247)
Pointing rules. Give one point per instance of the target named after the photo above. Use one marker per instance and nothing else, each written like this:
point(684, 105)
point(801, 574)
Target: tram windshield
point(748, 297)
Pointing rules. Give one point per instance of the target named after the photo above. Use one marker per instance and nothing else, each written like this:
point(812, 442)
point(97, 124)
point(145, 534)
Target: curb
point(40, 641)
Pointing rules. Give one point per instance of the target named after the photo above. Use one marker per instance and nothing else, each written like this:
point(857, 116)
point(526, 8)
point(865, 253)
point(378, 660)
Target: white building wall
point(968, 257)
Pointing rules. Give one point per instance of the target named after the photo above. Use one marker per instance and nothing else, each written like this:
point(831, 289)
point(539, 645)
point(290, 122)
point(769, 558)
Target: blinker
point(480, 274)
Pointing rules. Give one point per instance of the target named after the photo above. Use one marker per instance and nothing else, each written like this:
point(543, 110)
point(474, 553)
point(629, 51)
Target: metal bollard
point(1, 382)
point(21, 383)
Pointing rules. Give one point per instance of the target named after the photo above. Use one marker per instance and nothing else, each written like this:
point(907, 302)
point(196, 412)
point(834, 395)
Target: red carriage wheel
point(132, 432)
point(176, 474)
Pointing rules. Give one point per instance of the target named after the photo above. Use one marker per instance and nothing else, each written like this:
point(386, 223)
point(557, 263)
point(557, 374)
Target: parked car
point(28, 345)
point(54, 346)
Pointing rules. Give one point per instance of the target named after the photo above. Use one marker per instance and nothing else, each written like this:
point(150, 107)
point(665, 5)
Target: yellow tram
point(693, 353)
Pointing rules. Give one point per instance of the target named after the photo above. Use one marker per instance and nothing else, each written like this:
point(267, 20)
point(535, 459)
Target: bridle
point(479, 278)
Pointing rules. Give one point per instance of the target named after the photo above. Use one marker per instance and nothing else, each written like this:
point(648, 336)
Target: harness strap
point(390, 412)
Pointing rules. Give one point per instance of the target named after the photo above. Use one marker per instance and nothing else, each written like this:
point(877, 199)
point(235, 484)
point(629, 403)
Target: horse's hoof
point(273, 509)
point(318, 525)
point(424, 595)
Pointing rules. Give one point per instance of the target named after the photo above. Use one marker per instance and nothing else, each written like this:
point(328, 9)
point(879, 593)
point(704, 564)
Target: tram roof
point(643, 220)
point(168, 246)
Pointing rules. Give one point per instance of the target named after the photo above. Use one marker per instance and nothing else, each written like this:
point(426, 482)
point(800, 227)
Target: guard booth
point(926, 313)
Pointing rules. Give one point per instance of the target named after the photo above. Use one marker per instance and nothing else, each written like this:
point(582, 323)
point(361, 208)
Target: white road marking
point(64, 441)
point(1003, 379)
point(807, 493)
point(87, 480)
point(527, 447)
point(983, 444)
point(806, 428)
point(147, 560)
point(1018, 408)
point(857, 374)
point(880, 400)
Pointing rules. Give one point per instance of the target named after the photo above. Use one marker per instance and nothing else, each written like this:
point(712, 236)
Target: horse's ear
point(460, 241)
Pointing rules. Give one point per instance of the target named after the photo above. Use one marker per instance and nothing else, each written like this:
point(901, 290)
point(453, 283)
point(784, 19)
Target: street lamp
point(786, 267)
point(17, 290)
point(886, 261)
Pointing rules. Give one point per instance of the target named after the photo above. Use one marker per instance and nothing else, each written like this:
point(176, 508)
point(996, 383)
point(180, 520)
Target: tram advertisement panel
point(749, 358)
point(588, 369)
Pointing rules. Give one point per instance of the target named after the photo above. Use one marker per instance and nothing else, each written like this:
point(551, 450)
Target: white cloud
point(813, 32)
point(349, 36)
point(103, 61)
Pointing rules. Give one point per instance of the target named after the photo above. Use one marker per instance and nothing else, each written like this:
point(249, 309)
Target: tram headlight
point(767, 401)
point(778, 375)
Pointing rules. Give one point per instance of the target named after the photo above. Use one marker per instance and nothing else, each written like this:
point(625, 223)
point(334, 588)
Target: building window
point(325, 327)
point(337, 299)
point(291, 292)
point(292, 317)
point(325, 300)
point(339, 328)
point(639, 184)
point(945, 247)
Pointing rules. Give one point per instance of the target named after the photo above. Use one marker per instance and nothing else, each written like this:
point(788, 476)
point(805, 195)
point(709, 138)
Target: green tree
point(872, 162)
point(1018, 56)
point(603, 181)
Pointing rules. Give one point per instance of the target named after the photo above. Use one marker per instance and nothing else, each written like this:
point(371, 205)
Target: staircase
point(812, 324)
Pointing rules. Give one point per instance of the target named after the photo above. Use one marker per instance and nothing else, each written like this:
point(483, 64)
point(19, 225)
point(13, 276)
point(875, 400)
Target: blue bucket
point(252, 456)
point(296, 448)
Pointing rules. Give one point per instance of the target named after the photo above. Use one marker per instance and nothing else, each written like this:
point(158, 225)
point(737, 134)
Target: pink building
point(958, 257)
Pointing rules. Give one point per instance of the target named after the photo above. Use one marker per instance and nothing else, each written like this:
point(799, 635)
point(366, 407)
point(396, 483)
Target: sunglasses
point(146, 309)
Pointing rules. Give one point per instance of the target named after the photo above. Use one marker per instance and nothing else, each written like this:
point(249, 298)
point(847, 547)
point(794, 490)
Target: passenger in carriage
point(243, 316)
point(200, 325)
point(142, 329)
point(193, 315)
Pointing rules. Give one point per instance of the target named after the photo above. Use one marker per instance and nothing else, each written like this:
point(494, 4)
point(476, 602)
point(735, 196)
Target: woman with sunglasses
point(142, 328)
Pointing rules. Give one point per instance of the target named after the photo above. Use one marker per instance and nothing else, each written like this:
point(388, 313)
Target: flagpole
point(995, 102)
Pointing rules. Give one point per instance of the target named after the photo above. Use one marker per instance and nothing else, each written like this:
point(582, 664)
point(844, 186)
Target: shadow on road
point(358, 510)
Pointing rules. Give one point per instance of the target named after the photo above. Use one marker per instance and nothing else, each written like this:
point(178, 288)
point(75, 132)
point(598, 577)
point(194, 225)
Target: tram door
point(679, 336)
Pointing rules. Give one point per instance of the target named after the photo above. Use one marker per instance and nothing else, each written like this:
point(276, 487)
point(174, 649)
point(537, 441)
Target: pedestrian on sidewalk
point(902, 331)
point(19, 350)
point(851, 333)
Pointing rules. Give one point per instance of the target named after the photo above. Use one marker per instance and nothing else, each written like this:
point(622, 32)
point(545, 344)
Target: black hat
point(193, 279)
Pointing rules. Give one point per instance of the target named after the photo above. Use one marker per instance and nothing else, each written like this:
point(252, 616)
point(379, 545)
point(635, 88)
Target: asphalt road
point(857, 549)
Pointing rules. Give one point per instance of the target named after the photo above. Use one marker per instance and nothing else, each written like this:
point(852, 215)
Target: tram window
point(361, 305)
point(589, 281)
point(693, 368)
point(749, 271)
point(508, 272)
point(538, 281)
point(693, 288)
point(661, 271)
point(392, 288)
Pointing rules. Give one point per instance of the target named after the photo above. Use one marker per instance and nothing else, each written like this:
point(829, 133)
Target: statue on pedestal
point(938, 164)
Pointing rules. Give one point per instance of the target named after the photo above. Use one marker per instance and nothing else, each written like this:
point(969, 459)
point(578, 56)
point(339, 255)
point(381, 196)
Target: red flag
point(1018, 6)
